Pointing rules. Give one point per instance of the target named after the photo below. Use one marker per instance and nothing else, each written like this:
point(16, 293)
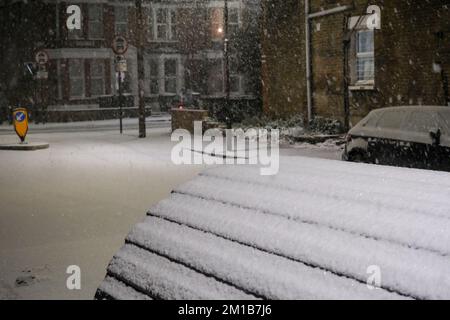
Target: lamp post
point(140, 67)
point(226, 55)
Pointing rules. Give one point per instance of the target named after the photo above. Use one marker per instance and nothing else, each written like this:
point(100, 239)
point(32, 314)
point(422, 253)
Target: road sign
point(120, 45)
point(41, 57)
point(121, 64)
point(42, 75)
point(20, 117)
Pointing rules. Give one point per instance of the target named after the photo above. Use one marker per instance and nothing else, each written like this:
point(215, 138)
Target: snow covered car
point(415, 136)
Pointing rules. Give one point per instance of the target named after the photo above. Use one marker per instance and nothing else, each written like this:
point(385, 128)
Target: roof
point(315, 231)
point(414, 108)
point(406, 129)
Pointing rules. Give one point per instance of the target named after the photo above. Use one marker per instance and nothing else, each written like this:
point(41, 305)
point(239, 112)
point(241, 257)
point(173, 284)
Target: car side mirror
point(436, 137)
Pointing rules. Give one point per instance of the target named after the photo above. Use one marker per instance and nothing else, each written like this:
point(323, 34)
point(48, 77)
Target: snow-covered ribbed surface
point(115, 289)
point(311, 232)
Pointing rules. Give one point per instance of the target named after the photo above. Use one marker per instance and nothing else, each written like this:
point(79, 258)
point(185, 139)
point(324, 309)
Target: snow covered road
point(74, 203)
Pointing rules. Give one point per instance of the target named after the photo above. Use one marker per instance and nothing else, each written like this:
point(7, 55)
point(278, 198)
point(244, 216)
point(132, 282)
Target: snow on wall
point(310, 232)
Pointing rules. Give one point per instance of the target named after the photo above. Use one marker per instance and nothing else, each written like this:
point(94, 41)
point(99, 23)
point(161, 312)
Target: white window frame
point(356, 83)
point(219, 60)
point(80, 78)
point(96, 77)
point(364, 55)
point(118, 22)
point(155, 76)
point(161, 74)
point(237, 24)
point(165, 77)
point(238, 76)
point(91, 21)
point(169, 24)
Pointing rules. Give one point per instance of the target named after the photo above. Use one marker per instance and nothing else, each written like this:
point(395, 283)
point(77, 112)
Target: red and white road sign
point(120, 45)
point(41, 57)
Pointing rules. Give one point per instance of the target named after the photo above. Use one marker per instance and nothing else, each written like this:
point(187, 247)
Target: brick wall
point(414, 35)
point(283, 58)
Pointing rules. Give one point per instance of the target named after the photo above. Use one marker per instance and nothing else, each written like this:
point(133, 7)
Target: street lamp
point(227, 66)
point(140, 65)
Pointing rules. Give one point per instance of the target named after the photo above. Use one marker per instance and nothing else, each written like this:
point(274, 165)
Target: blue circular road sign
point(20, 116)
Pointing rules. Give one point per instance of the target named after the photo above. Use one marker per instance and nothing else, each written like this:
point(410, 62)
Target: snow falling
point(102, 101)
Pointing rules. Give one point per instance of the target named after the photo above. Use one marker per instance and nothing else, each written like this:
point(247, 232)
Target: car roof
point(371, 131)
point(414, 108)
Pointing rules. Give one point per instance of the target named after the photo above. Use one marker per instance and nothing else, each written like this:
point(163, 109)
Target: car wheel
point(357, 156)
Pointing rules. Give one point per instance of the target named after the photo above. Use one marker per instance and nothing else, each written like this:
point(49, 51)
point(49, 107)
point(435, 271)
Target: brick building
point(183, 50)
point(354, 69)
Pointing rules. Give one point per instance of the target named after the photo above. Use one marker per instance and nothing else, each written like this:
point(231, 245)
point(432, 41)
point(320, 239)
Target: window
point(217, 30)
point(233, 21)
point(128, 79)
point(76, 34)
point(95, 16)
point(235, 78)
point(216, 78)
point(365, 63)
point(154, 78)
point(166, 24)
point(121, 20)
point(170, 76)
point(173, 25)
point(76, 76)
point(164, 75)
point(217, 22)
point(161, 24)
point(97, 77)
point(151, 21)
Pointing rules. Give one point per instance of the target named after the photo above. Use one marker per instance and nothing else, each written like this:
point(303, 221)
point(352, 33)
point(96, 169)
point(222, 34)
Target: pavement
point(32, 146)
point(157, 121)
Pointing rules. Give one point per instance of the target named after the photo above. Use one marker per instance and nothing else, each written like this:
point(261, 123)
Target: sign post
point(20, 118)
point(120, 47)
point(42, 59)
